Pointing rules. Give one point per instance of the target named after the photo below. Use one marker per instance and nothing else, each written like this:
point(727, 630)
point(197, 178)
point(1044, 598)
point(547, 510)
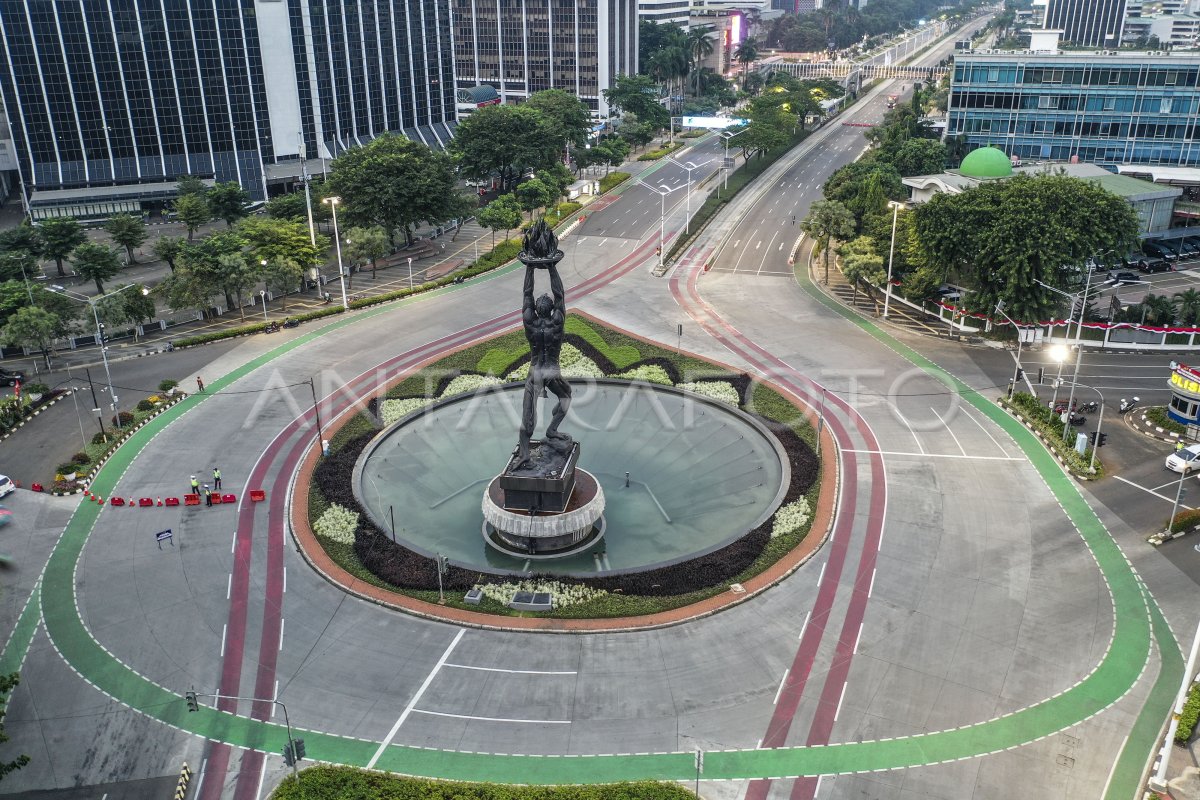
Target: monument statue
point(544, 319)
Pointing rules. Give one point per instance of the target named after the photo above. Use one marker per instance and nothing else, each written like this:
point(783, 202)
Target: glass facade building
point(524, 46)
point(1087, 23)
point(1108, 109)
point(138, 92)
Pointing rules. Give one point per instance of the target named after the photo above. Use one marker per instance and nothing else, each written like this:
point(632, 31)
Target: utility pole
point(317, 413)
point(95, 402)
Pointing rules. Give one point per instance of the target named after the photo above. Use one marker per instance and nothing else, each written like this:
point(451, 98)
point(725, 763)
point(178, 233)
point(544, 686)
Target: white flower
point(714, 390)
point(572, 364)
point(650, 373)
point(791, 518)
point(337, 523)
point(564, 594)
point(469, 383)
point(519, 374)
point(396, 409)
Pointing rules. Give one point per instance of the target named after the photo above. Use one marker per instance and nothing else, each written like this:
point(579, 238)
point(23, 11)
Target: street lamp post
point(689, 166)
point(726, 135)
point(887, 292)
point(333, 204)
point(662, 190)
point(83, 298)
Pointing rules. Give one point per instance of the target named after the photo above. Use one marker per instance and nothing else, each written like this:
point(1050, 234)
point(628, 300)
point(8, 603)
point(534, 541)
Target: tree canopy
point(506, 141)
point(638, 94)
point(59, 237)
point(128, 231)
point(566, 114)
point(96, 262)
point(227, 201)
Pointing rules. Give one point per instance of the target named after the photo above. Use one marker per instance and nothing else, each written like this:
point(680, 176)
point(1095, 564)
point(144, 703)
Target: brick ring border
point(313, 553)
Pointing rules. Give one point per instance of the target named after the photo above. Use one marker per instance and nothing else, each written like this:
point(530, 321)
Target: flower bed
point(1047, 425)
point(1158, 416)
point(375, 558)
point(665, 150)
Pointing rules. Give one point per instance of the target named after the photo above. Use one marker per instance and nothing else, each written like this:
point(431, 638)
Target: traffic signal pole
point(293, 751)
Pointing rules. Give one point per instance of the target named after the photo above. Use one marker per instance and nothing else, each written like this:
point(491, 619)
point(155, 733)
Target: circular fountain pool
point(701, 474)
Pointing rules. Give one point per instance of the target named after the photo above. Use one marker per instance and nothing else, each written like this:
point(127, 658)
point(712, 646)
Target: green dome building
point(986, 163)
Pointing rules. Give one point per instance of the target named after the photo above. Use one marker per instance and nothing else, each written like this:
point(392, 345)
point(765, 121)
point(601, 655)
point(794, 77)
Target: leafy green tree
point(861, 264)
point(96, 262)
point(920, 157)
point(7, 684)
point(461, 206)
point(1159, 309)
point(565, 114)
point(227, 201)
point(506, 141)
point(637, 94)
point(503, 213)
point(367, 244)
point(188, 288)
point(268, 239)
point(60, 237)
point(18, 265)
point(1187, 304)
point(613, 151)
point(168, 248)
point(203, 258)
point(192, 210)
point(292, 206)
point(128, 231)
point(826, 220)
point(394, 183)
point(236, 274)
point(635, 132)
point(1002, 237)
point(32, 327)
point(23, 238)
point(533, 195)
point(191, 185)
point(281, 275)
point(17, 294)
point(132, 305)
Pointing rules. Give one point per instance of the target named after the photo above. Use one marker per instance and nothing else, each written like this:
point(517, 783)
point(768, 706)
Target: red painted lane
point(801, 668)
point(252, 761)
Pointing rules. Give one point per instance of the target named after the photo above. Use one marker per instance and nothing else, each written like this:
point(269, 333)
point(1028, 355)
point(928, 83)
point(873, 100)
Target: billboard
point(712, 122)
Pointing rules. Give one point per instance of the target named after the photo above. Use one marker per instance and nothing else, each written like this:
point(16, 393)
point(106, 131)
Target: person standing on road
point(217, 478)
point(207, 495)
point(195, 485)
point(199, 385)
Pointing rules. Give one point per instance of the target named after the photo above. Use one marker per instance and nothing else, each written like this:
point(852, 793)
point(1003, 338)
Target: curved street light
point(333, 204)
point(83, 298)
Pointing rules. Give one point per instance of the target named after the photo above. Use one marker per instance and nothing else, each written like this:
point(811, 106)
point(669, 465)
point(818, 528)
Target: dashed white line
point(838, 713)
point(493, 719)
point(224, 630)
point(779, 691)
point(804, 627)
point(513, 671)
point(281, 621)
point(229, 586)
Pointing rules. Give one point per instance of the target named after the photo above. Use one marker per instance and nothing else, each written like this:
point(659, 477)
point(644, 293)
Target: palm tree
point(1187, 304)
point(746, 54)
point(699, 47)
point(1158, 309)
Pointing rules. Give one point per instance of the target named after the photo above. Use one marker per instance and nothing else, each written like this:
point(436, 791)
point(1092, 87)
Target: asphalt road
point(957, 600)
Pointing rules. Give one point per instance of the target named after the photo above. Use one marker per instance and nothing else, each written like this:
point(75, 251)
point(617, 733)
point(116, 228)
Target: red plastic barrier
point(172, 501)
point(117, 501)
point(227, 498)
point(191, 499)
point(36, 487)
point(258, 495)
point(145, 502)
point(216, 499)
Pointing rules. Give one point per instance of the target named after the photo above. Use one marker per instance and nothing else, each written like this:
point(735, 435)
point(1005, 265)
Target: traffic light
point(443, 564)
point(1098, 439)
point(1041, 374)
point(1020, 374)
point(288, 757)
point(298, 746)
point(192, 704)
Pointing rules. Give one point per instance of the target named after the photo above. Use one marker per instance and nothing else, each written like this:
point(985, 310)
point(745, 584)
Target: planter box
point(529, 601)
point(474, 596)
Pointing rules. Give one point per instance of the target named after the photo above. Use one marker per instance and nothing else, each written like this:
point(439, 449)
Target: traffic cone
point(159, 501)
point(99, 499)
point(131, 503)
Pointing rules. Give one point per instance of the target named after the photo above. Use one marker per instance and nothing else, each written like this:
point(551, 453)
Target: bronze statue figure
point(544, 320)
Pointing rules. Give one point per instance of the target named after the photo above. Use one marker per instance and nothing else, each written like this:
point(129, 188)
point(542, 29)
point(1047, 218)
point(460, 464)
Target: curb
point(39, 410)
point(1162, 536)
point(1144, 426)
point(85, 481)
point(1024, 421)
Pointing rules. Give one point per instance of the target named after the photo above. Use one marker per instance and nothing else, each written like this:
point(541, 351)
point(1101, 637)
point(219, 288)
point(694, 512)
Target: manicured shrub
point(37, 388)
point(1158, 416)
point(1185, 520)
point(66, 468)
point(1189, 717)
point(122, 420)
point(101, 438)
point(145, 405)
point(167, 385)
point(611, 180)
point(81, 458)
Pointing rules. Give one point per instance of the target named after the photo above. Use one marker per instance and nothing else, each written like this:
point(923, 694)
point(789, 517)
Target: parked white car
point(1184, 460)
point(7, 486)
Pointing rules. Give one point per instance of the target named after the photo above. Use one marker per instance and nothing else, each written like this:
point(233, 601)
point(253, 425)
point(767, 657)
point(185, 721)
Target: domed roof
point(986, 162)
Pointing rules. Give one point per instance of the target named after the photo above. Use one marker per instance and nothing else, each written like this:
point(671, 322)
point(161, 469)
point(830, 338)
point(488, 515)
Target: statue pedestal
point(545, 485)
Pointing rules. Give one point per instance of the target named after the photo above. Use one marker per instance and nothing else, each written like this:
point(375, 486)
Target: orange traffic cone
point(99, 499)
point(131, 503)
point(159, 501)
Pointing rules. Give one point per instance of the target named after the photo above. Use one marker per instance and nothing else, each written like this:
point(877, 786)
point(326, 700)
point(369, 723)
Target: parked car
point(7, 486)
point(1152, 265)
point(8, 378)
point(1123, 277)
point(1157, 250)
point(1184, 460)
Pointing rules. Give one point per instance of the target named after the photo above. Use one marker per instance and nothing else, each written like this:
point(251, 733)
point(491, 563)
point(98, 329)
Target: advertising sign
point(713, 122)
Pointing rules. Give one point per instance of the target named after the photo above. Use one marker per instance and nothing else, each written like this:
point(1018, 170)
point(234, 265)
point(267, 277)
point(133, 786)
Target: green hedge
point(335, 783)
point(1158, 415)
point(256, 327)
point(1185, 520)
point(1047, 423)
point(611, 180)
point(1189, 717)
point(665, 150)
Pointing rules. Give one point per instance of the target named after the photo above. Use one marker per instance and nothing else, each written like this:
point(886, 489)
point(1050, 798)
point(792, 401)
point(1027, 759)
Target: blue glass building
point(110, 102)
point(1105, 108)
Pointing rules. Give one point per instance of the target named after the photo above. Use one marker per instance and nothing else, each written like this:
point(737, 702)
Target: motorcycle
point(1077, 420)
point(291, 323)
point(272, 327)
point(1090, 408)
point(1127, 405)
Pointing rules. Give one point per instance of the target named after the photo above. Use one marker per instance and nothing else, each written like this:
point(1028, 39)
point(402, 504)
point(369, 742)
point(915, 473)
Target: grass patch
point(1158, 415)
point(612, 180)
point(1187, 720)
point(1047, 423)
point(326, 782)
point(665, 150)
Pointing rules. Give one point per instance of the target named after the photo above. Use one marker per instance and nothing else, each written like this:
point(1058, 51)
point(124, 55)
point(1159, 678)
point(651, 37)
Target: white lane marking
point(493, 719)
point(763, 263)
point(948, 430)
point(933, 455)
point(779, 691)
point(229, 586)
point(284, 580)
point(971, 417)
point(1151, 491)
point(224, 630)
point(916, 438)
point(777, 249)
point(758, 244)
point(281, 621)
point(274, 697)
point(416, 697)
point(838, 713)
point(513, 671)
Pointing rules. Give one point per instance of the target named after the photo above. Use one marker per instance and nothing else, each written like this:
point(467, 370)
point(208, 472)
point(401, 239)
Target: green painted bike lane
point(1111, 679)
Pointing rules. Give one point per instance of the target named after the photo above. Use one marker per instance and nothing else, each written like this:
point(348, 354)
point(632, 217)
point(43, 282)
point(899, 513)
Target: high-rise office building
point(674, 12)
point(1122, 108)
point(1089, 23)
point(524, 46)
point(110, 102)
